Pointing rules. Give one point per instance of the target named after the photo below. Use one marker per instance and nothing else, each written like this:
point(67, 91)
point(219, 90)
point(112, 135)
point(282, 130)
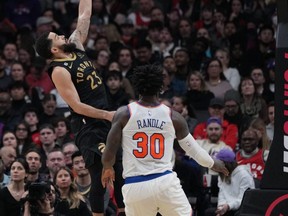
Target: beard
point(68, 48)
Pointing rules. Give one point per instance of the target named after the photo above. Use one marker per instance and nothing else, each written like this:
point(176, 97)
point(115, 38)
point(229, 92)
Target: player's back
point(147, 140)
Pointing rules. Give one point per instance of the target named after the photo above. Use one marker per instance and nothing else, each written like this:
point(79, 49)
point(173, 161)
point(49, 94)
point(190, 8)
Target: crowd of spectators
point(218, 59)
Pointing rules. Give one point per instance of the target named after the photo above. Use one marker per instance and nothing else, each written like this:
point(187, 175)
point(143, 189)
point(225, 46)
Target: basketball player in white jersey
point(146, 129)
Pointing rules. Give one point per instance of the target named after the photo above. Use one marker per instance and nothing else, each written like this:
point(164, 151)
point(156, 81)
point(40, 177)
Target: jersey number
point(94, 80)
point(153, 145)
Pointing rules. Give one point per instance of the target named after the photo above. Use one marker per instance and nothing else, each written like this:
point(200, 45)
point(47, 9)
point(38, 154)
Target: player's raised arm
point(192, 148)
point(84, 14)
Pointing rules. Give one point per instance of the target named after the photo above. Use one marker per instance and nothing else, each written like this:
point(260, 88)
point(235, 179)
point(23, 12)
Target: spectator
point(17, 72)
point(5, 79)
point(24, 141)
point(179, 104)
point(231, 74)
point(198, 96)
point(63, 131)
point(116, 95)
point(8, 155)
point(7, 119)
point(9, 139)
point(231, 187)
point(49, 104)
point(259, 125)
point(30, 116)
point(11, 195)
point(251, 104)
point(167, 89)
point(10, 52)
point(68, 150)
point(229, 132)
point(270, 125)
point(33, 159)
point(72, 202)
point(4, 179)
point(251, 155)
point(54, 162)
point(215, 79)
point(233, 112)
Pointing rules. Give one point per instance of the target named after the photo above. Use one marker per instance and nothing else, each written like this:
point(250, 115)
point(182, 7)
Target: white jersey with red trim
point(147, 140)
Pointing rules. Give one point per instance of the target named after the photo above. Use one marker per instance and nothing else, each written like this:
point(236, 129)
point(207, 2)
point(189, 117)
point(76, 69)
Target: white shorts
point(163, 194)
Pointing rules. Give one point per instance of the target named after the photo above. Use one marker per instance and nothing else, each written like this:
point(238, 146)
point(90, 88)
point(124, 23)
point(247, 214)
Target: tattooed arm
point(80, 34)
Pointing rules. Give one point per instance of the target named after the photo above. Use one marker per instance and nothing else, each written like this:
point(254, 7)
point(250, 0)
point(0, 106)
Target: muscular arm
point(62, 80)
point(114, 138)
point(80, 34)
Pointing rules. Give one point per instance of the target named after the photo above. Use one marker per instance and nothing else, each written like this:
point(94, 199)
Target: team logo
point(149, 113)
point(278, 207)
point(101, 147)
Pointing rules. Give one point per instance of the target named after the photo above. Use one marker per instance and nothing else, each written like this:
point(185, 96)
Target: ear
point(54, 50)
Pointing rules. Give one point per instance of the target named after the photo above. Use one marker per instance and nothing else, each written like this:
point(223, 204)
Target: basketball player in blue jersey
point(80, 85)
point(146, 129)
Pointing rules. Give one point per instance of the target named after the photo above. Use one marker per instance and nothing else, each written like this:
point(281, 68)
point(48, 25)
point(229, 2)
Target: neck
point(48, 148)
point(248, 99)
point(32, 177)
point(149, 101)
point(248, 155)
point(83, 181)
point(214, 81)
point(64, 192)
point(17, 186)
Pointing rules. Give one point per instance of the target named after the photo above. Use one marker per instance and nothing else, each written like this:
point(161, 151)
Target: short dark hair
point(76, 154)
point(114, 74)
point(43, 46)
point(148, 79)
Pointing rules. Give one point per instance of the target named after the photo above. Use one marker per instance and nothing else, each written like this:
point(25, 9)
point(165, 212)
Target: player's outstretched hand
point(219, 166)
point(108, 177)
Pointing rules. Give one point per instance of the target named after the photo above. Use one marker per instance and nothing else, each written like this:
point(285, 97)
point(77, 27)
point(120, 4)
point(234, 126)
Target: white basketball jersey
point(147, 140)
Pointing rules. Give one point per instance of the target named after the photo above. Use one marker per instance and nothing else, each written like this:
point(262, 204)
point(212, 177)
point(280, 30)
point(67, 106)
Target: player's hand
point(108, 177)
point(219, 166)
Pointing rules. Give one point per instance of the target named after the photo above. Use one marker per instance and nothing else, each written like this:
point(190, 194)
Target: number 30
point(144, 142)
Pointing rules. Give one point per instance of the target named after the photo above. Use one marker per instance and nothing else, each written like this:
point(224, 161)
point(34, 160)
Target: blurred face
point(101, 44)
point(17, 72)
point(24, 56)
point(47, 137)
point(103, 58)
point(231, 108)
point(266, 36)
point(17, 93)
point(18, 172)
point(9, 139)
point(229, 29)
point(21, 132)
point(214, 132)
point(63, 179)
point(247, 87)
point(33, 160)
point(216, 111)
point(202, 32)
point(157, 15)
point(177, 104)
point(125, 58)
point(68, 150)
point(219, 17)
point(185, 29)
point(214, 69)
point(114, 83)
point(31, 118)
point(114, 66)
point(169, 64)
point(55, 161)
point(271, 114)
point(8, 156)
point(154, 35)
point(236, 6)
point(10, 52)
point(49, 107)
point(223, 57)
point(97, 5)
point(145, 6)
point(5, 102)
point(207, 15)
point(249, 141)
point(166, 78)
point(195, 82)
point(165, 36)
point(181, 58)
point(61, 129)
point(144, 54)
point(257, 76)
point(79, 167)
